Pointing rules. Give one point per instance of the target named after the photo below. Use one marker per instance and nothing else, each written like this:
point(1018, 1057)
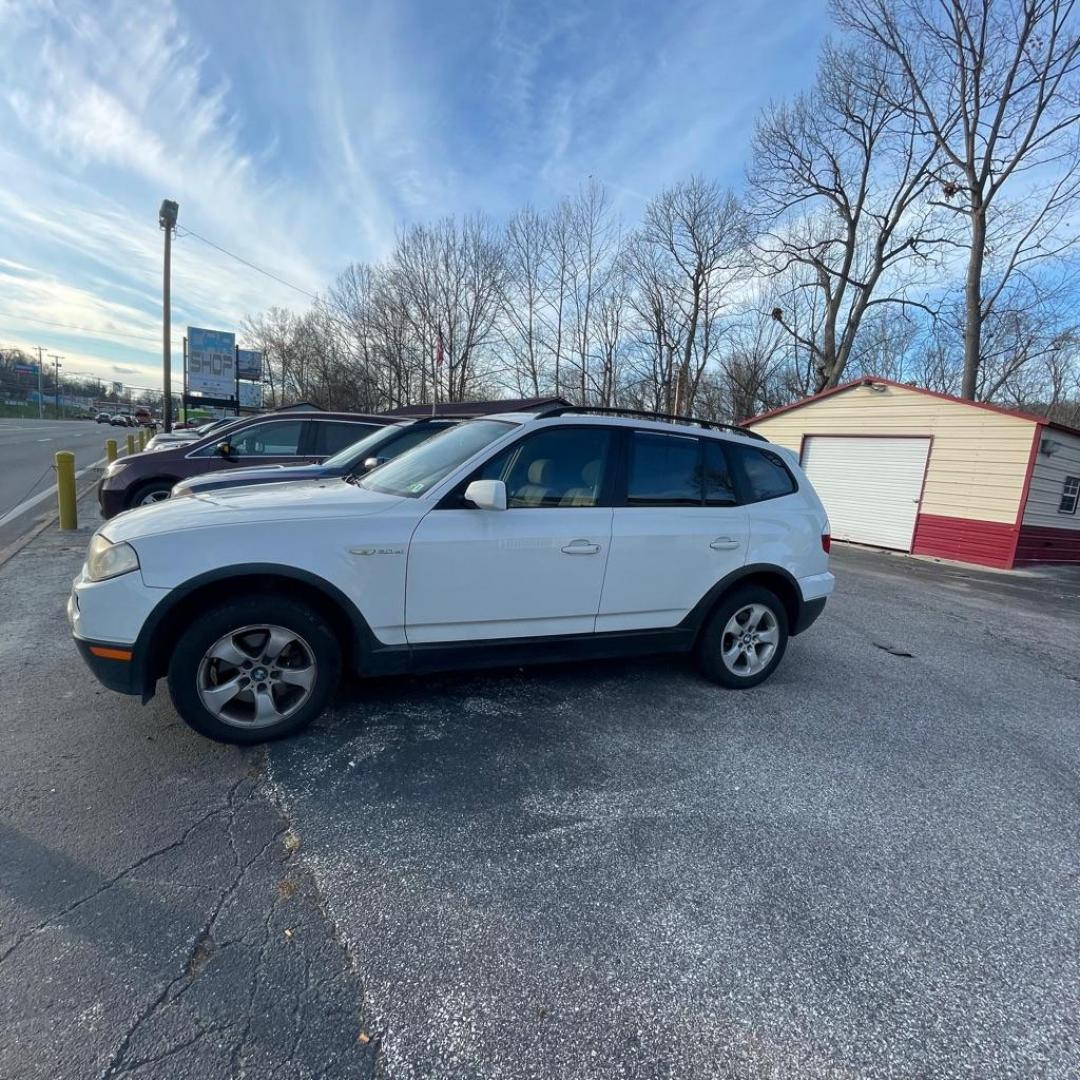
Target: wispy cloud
point(304, 136)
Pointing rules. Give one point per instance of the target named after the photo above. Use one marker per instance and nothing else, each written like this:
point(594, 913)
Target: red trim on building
point(1044, 544)
point(988, 543)
point(871, 380)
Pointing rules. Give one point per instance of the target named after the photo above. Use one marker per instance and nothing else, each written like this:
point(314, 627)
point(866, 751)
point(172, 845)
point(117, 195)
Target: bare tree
point(993, 82)
point(450, 277)
point(527, 292)
point(684, 261)
point(586, 252)
point(838, 185)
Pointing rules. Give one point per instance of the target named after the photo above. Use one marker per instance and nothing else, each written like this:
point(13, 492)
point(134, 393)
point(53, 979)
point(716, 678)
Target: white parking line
point(15, 511)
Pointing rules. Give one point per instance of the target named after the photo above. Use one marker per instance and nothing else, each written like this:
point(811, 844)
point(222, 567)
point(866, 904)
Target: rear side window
point(764, 471)
point(334, 435)
point(665, 470)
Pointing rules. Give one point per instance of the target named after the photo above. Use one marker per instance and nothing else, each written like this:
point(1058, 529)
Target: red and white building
point(914, 470)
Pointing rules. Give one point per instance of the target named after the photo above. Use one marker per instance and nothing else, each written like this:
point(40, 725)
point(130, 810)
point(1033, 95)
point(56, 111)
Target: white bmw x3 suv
point(518, 538)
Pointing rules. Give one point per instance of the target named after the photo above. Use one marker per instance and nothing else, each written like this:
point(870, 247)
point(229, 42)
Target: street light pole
point(167, 220)
point(56, 389)
point(40, 391)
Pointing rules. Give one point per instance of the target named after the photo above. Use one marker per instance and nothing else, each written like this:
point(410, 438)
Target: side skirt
point(513, 652)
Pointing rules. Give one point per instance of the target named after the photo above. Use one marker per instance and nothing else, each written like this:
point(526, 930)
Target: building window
point(1070, 495)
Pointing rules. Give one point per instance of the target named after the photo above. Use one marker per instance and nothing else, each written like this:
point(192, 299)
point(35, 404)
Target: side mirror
point(224, 449)
point(372, 463)
point(487, 494)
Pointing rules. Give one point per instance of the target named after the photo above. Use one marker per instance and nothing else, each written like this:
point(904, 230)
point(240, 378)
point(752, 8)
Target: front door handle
point(581, 547)
point(724, 543)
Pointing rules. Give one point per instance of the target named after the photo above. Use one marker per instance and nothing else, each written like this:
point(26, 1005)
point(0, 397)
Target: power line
point(258, 269)
point(82, 329)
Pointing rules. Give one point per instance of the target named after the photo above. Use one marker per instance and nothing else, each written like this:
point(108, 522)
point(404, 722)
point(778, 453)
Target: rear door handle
point(724, 543)
point(581, 547)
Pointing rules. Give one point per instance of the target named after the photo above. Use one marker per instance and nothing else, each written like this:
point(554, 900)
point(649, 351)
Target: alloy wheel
point(256, 676)
point(749, 640)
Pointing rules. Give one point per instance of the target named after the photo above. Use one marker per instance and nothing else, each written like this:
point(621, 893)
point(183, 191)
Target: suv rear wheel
point(744, 639)
point(254, 669)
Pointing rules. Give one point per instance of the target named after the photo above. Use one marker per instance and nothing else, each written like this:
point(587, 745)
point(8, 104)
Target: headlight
point(114, 467)
point(108, 560)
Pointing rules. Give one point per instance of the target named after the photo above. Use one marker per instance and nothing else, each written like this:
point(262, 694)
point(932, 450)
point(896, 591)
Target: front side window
point(362, 448)
point(1070, 495)
point(665, 470)
point(767, 477)
point(280, 438)
point(426, 465)
point(561, 467)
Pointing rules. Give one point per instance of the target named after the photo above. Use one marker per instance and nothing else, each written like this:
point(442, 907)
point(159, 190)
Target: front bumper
point(110, 500)
point(123, 676)
point(106, 659)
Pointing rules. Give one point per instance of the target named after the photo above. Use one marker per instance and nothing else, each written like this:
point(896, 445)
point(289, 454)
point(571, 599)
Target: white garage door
point(870, 486)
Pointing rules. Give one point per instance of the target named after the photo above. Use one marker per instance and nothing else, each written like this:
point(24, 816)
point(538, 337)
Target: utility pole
point(167, 220)
point(57, 360)
point(40, 392)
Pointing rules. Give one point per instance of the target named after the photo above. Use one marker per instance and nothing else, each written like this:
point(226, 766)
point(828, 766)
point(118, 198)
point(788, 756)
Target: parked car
point(285, 438)
point(382, 445)
point(190, 434)
point(510, 539)
point(118, 420)
point(103, 418)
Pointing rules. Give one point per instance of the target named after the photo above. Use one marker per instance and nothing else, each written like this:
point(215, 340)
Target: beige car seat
point(541, 474)
point(589, 490)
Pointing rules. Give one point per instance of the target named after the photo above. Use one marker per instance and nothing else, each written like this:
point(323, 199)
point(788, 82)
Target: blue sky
point(302, 135)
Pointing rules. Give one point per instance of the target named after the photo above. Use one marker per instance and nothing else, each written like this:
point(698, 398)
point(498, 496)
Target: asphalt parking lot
point(867, 867)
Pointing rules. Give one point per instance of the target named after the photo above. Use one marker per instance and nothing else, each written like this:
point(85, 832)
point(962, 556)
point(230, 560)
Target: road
point(865, 868)
point(26, 456)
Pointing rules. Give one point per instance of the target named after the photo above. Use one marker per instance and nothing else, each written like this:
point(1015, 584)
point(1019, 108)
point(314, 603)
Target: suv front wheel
point(744, 639)
point(254, 669)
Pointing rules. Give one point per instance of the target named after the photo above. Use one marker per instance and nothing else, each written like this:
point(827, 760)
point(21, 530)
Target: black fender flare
point(363, 640)
point(793, 601)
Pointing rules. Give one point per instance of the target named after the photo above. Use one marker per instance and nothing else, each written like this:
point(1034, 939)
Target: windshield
point(362, 447)
point(420, 469)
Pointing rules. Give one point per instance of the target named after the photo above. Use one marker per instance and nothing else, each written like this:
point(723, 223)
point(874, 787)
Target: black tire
point(159, 488)
point(314, 635)
point(711, 644)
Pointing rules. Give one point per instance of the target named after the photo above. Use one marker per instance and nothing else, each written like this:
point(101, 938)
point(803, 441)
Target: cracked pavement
point(156, 915)
point(865, 868)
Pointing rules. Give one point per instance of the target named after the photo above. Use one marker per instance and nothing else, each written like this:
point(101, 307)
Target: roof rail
point(640, 414)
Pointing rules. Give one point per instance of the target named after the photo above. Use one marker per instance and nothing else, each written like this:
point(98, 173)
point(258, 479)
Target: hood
point(249, 505)
point(225, 477)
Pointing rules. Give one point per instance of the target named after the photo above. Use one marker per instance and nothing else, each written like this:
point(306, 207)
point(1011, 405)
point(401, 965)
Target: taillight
point(826, 543)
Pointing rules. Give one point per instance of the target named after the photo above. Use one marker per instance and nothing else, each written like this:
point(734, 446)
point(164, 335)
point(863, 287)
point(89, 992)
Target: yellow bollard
point(110, 449)
point(131, 444)
point(65, 489)
point(142, 438)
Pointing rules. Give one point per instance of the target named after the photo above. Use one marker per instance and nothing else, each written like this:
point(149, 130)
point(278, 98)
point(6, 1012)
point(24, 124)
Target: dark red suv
point(287, 438)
